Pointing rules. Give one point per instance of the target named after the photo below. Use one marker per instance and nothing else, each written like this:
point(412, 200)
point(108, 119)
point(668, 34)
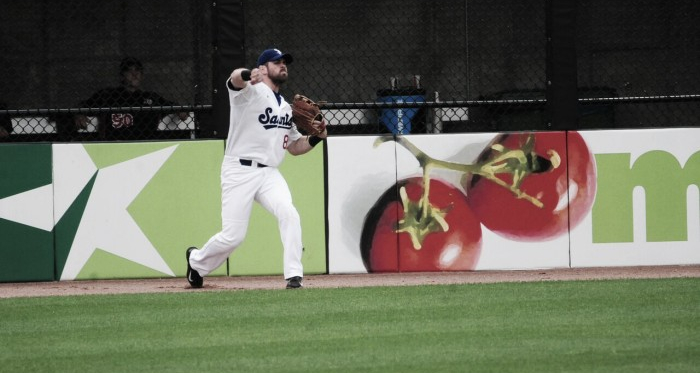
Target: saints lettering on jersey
point(270, 121)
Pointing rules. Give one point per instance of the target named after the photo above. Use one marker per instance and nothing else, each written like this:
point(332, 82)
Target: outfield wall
point(129, 210)
point(619, 198)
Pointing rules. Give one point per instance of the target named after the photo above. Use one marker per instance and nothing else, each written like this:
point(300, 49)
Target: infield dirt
point(179, 284)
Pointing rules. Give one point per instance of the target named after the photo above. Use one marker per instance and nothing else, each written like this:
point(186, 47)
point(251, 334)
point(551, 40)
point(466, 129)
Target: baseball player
point(260, 132)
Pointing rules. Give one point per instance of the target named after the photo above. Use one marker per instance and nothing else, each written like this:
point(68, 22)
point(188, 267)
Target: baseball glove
point(307, 116)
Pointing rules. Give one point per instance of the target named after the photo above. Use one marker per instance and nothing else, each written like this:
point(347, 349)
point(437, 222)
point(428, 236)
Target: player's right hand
point(256, 76)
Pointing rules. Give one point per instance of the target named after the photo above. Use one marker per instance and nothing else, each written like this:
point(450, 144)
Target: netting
point(361, 55)
point(61, 64)
point(383, 66)
point(639, 59)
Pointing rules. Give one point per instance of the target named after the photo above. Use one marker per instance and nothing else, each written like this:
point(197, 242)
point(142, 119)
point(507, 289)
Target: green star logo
point(112, 210)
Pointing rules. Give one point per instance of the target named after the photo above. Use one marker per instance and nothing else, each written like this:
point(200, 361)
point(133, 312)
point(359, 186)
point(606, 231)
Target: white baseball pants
point(240, 186)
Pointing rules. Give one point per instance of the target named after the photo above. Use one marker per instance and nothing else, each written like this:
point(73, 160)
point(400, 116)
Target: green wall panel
point(134, 208)
point(26, 215)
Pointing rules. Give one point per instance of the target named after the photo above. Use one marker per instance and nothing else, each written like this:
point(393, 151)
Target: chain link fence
point(637, 62)
point(362, 58)
point(385, 66)
point(77, 70)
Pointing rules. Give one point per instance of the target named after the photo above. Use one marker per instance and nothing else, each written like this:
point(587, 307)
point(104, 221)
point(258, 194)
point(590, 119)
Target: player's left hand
point(322, 124)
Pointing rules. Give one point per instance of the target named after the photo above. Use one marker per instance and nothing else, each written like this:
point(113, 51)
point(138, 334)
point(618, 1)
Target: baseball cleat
point(193, 277)
point(294, 282)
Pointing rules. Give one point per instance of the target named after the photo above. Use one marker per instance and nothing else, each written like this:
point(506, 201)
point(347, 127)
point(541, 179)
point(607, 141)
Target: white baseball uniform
point(260, 130)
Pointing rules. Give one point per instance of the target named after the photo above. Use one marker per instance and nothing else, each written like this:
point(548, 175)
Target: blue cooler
point(398, 121)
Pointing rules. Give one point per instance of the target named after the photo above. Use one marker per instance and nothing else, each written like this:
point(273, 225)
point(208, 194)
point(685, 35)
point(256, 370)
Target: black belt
point(248, 162)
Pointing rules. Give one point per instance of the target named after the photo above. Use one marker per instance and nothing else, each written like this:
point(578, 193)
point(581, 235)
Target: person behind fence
point(5, 124)
point(261, 132)
point(130, 125)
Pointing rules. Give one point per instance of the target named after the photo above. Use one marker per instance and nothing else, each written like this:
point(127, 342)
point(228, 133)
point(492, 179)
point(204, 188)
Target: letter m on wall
point(665, 183)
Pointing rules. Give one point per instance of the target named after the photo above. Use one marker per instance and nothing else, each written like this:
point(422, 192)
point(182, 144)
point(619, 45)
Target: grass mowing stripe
point(581, 326)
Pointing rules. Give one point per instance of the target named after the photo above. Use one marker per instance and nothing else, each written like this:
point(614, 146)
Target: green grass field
point(582, 326)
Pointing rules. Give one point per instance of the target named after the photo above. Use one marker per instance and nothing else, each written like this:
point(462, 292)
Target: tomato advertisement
point(456, 202)
point(525, 200)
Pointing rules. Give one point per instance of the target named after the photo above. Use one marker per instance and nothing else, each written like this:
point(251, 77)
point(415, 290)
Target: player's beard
point(279, 78)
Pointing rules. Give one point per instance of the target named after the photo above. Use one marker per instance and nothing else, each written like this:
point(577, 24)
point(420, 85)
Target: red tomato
point(398, 236)
point(566, 192)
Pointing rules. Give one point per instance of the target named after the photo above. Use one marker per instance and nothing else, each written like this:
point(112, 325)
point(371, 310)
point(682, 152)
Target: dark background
point(495, 65)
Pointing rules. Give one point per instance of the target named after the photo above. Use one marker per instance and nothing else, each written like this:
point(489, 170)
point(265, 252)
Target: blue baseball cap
point(274, 55)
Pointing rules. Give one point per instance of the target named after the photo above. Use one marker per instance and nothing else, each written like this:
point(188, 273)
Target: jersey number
point(285, 144)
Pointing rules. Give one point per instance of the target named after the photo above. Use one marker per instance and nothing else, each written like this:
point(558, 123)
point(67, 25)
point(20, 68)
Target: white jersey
point(260, 127)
